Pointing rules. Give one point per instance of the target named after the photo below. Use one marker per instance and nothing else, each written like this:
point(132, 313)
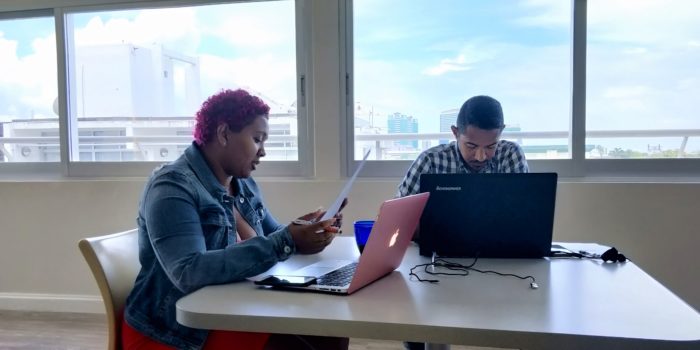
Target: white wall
point(41, 268)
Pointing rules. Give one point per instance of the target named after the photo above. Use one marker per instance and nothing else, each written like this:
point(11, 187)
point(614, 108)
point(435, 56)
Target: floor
point(50, 330)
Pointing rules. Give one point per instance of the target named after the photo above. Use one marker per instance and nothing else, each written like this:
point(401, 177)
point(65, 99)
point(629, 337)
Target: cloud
point(635, 50)
point(8, 58)
point(638, 21)
point(41, 68)
point(651, 90)
point(545, 13)
point(271, 75)
point(176, 29)
point(394, 92)
point(531, 82)
point(641, 70)
point(447, 65)
point(261, 26)
point(624, 100)
point(262, 56)
point(464, 60)
point(643, 21)
point(29, 82)
point(626, 92)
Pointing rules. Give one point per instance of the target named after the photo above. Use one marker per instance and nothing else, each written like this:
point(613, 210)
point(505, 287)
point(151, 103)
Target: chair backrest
point(114, 261)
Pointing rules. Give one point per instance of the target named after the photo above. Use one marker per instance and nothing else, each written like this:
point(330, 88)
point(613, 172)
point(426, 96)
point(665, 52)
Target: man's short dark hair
point(484, 112)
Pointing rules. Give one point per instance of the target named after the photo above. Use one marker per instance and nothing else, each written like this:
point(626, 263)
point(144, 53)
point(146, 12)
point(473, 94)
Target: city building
point(398, 123)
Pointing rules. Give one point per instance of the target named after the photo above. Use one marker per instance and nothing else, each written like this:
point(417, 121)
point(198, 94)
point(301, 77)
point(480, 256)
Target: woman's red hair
point(236, 108)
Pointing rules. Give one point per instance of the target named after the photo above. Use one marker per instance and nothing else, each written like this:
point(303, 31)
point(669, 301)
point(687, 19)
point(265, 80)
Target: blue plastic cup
point(362, 230)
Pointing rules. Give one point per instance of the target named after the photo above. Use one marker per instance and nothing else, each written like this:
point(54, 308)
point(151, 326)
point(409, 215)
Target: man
point(477, 147)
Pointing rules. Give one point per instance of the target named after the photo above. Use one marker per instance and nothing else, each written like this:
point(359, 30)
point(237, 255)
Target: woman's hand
point(313, 237)
point(338, 216)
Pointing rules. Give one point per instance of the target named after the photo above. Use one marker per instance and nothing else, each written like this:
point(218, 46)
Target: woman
point(202, 221)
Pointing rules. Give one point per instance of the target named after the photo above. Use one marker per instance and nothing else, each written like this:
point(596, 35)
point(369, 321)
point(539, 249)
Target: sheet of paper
point(333, 209)
point(593, 248)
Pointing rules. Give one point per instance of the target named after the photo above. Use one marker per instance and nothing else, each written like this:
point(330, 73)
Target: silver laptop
point(387, 244)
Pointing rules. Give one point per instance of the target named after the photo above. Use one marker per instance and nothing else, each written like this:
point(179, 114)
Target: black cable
point(463, 271)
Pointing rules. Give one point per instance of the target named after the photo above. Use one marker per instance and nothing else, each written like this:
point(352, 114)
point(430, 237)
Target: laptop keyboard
point(339, 277)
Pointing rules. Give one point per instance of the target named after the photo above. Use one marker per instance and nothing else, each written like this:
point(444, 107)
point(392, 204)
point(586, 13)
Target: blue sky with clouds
point(421, 60)
point(438, 56)
point(418, 57)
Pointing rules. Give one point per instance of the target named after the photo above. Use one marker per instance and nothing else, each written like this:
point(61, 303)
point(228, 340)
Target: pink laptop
point(387, 244)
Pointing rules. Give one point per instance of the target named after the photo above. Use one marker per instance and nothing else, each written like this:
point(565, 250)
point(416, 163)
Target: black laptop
point(488, 215)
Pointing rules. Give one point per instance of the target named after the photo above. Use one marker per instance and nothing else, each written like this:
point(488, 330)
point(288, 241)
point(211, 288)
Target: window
point(145, 72)
point(643, 79)
point(135, 76)
point(28, 90)
point(412, 72)
point(583, 84)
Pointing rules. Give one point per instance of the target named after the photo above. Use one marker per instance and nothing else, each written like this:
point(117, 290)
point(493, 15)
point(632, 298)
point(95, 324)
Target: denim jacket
point(187, 240)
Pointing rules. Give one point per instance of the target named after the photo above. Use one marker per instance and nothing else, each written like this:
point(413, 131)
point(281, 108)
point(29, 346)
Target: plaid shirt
point(446, 159)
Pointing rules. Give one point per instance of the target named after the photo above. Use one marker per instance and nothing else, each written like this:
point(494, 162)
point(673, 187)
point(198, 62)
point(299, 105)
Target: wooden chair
point(114, 261)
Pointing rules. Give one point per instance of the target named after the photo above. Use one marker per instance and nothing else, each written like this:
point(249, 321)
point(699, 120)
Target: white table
point(580, 304)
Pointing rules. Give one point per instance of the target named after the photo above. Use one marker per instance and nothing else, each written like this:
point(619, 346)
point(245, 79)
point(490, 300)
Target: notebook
point(387, 244)
point(488, 215)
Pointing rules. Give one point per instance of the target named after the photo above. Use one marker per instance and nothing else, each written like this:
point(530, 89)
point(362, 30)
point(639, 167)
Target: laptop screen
point(488, 215)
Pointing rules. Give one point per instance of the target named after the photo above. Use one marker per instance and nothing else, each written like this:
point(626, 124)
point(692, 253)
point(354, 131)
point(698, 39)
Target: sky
point(240, 45)
point(642, 70)
point(642, 57)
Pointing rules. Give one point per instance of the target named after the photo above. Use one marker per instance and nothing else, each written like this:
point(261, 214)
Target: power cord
point(462, 270)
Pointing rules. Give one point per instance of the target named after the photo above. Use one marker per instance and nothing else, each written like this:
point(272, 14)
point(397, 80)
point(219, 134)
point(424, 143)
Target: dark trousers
point(413, 346)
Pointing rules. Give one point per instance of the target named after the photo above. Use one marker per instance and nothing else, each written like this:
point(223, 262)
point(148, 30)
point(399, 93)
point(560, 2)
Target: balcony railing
point(682, 134)
point(140, 142)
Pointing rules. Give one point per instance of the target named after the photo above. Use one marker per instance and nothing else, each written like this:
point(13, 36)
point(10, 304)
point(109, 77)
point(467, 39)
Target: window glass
point(137, 77)
point(643, 79)
point(28, 91)
point(413, 71)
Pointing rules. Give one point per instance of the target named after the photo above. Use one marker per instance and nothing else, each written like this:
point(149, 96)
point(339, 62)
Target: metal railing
point(683, 134)
point(174, 140)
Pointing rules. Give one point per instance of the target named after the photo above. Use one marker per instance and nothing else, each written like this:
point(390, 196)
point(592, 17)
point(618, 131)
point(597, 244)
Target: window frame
point(576, 167)
point(61, 10)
